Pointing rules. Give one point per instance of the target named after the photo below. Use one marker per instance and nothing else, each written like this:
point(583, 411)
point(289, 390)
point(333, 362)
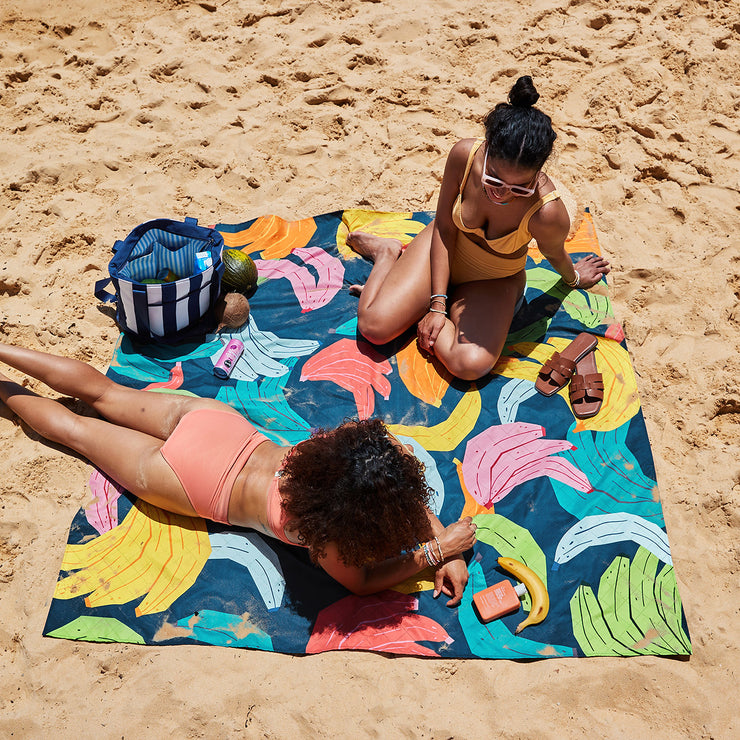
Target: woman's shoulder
point(461, 150)
point(457, 159)
point(552, 217)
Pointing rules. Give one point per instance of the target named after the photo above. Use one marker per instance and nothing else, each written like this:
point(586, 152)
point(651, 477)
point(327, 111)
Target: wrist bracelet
point(576, 282)
point(429, 555)
point(436, 310)
point(439, 295)
point(439, 547)
point(426, 553)
point(435, 561)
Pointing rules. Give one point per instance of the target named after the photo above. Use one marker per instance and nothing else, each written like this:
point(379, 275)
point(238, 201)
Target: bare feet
point(374, 247)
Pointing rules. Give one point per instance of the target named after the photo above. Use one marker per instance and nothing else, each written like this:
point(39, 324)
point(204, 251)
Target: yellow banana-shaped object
point(448, 434)
point(537, 591)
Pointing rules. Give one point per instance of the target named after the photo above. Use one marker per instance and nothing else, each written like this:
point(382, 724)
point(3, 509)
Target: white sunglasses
point(496, 184)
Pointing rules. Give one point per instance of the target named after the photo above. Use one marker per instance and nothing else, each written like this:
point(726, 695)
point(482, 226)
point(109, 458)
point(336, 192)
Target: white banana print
point(605, 529)
point(260, 350)
point(251, 551)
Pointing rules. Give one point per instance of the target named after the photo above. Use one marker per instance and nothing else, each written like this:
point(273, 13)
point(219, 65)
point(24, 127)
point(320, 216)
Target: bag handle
point(103, 295)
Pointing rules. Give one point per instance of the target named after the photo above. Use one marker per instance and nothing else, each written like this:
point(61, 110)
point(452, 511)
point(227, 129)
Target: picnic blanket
point(576, 500)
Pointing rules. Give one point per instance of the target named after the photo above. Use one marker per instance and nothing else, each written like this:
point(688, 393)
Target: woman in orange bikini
point(493, 200)
point(354, 496)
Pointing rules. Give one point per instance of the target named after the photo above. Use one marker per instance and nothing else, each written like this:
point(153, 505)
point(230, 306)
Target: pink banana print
point(175, 381)
point(354, 366)
point(505, 456)
point(311, 293)
point(102, 513)
point(386, 621)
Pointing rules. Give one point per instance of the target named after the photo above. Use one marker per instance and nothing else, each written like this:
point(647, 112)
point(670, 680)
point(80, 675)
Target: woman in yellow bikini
point(353, 496)
point(462, 277)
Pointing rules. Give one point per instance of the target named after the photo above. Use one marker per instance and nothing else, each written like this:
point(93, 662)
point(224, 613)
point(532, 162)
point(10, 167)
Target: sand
point(115, 113)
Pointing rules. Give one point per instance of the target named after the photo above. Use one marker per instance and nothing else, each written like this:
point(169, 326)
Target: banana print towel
point(575, 500)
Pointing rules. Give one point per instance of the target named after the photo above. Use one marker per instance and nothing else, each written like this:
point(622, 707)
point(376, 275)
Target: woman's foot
point(373, 247)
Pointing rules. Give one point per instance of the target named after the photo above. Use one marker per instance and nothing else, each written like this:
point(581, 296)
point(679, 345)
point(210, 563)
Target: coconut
point(232, 311)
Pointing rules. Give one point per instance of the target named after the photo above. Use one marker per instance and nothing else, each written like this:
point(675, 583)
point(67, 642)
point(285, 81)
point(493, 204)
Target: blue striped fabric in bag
point(166, 275)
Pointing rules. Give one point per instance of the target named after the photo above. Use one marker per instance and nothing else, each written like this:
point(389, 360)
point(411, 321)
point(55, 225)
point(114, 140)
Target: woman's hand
point(428, 330)
point(457, 537)
point(450, 579)
point(591, 268)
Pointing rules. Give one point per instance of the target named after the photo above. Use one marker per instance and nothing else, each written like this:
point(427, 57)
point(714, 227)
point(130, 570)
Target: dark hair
point(354, 487)
point(517, 132)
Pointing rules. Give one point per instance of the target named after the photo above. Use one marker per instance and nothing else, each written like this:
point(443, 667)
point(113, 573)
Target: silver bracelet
point(576, 282)
point(436, 310)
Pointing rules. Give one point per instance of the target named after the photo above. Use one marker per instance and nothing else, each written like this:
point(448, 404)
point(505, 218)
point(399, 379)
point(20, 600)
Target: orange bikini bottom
point(207, 450)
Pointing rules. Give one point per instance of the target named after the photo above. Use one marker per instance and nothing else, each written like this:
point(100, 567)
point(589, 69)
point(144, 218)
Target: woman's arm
point(444, 236)
point(454, 540)
point(550, 226)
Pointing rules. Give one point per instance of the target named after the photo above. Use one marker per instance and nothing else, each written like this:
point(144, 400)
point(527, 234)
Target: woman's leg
point(480, 316)
point(155, 414)
point(396, 295)
point(129, 457)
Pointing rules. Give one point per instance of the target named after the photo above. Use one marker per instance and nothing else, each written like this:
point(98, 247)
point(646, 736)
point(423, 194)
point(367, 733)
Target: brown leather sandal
point(586, 388)
point(558, 370)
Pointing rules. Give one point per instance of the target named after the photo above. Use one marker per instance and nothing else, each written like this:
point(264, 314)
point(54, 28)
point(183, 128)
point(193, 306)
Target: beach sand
point(112, 114)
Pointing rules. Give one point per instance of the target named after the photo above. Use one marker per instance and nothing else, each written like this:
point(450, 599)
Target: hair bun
point(523, 94)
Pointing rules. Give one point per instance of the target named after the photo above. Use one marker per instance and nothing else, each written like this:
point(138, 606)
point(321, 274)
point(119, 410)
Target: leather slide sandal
point(586, 388)
point(557, 371)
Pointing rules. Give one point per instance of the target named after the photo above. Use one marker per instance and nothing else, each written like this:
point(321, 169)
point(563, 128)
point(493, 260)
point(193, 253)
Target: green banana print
point(589, 309)
point(636, 613)
point(512, 541)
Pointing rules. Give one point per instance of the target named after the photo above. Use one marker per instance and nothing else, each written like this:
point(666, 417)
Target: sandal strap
point(587, 386)
point(559, 369)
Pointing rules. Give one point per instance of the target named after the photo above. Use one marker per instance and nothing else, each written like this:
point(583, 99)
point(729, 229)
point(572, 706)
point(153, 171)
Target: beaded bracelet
point(429, 555)
point(435, 561)
point(426, 553)
point(576, 282)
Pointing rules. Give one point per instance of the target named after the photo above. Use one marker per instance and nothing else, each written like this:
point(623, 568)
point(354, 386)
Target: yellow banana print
point(621, 401)
point(423, 581)
point(448, 434)
point(395, 225)
point(150, 552)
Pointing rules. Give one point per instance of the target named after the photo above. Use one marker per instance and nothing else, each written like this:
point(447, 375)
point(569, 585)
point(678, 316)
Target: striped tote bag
point(166, 276)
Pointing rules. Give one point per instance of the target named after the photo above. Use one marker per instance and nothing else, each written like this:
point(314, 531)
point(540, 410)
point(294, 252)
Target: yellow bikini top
point(508, 244)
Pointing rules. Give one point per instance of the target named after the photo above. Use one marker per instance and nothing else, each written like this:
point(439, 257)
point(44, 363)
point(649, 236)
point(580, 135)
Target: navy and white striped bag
point(164, 250)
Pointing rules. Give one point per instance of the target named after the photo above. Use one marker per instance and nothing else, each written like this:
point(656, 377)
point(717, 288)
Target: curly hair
point(516, 131)
point(354, 487)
